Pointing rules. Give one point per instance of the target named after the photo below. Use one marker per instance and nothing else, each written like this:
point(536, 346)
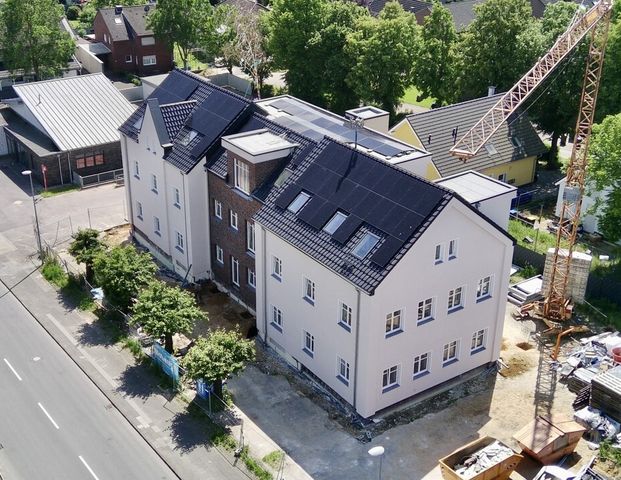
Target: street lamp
point(34, 206)
point(378, 452)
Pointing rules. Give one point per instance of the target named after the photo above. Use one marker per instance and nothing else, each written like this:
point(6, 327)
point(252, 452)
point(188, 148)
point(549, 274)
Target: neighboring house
point(416, 7)
point(380, 284)
point(590, 200)
point(510, 155)
point(133, 47)
point(67, 127)
point(372, 138)
point(246, 6)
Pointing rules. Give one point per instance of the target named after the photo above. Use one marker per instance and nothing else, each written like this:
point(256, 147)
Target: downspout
point(263, 254)
point(356, 348)
point(69, 169)
point(60, 168)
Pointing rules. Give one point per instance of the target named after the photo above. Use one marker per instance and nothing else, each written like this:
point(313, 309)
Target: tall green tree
point(85, 247)
point(122, 272)
point(215, 358)
point(609, 100)
point(187, 24)
point(385, 52)
point(557, 100)
point(163, 310)
point(604, 173)
point(293, 33)
point(32, 38)
point(436, 60)
point(498, 47)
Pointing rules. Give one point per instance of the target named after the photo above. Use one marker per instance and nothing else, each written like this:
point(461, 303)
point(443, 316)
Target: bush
point(54, 273)
point(73, 12)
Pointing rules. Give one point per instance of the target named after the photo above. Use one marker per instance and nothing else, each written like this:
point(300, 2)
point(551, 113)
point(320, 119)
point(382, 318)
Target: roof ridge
point(174, 104)
point(206, 81)
point(50, 80)
point(445, 107)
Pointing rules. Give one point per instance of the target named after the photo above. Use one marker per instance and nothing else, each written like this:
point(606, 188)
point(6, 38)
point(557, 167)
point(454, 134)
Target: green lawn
point(410, 97)
point(193, 62)
point(51, 192)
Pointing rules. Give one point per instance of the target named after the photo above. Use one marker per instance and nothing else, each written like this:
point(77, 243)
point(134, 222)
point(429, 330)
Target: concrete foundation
point(578, 273)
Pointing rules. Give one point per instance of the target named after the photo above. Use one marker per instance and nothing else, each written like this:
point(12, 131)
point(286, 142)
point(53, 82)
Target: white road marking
point(63, 330)
point(48, 416)
point(36, 359)
point(12, 369)
point(90, 470)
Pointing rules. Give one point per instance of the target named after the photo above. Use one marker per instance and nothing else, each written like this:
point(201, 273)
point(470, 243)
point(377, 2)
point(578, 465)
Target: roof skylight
point(187, 137)
point(365, 245)
point(298, 202)
point(335, 222)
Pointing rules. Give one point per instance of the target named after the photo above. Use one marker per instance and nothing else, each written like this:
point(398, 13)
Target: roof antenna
point(39, 102)
point(455, 130)
point(429, 139)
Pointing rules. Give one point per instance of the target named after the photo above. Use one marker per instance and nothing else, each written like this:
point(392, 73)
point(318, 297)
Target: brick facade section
point(115, 61)
point(233, 242)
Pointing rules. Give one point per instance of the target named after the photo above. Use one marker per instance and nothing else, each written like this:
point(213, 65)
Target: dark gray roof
point(412, 6)
point(463, 12)
point(440, 124)
point(175, 115)
point(215, 111)
point(132, 22)
point(378, 198)
point(25, 133)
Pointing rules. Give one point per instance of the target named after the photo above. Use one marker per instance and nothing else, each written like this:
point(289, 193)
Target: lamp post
point(378, 452)
point(34, 206)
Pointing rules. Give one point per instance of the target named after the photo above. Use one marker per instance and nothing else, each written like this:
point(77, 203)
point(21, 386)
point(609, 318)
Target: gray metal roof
point(77, 112)
point(437, 128)
point(475, 187)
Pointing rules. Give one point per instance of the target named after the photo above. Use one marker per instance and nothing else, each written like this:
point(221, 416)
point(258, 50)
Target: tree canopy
point(164, 310)
point(85, 247)
point(222, 354)
point(32, 38)
point(122, 272)
point(604, 173)
point(609, 100)
point(436, 59)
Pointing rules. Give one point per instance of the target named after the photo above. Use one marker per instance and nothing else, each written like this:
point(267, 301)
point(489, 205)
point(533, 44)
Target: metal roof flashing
point(258, 145)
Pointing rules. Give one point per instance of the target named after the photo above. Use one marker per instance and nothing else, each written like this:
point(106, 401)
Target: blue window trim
point(482, 299)
point(394, 332)
point(276, 277)
point(438, 262)
point(179, 248)
point(137, 177)
point(452, 257)
point(477, 350)
point(344, 326)
point(343, 380)
point(250, 254)
point(456, 309)
point(309, 300)
point(154, 191)
point(424, 321)
point(178, 205)
point(308, 352)
point(390, 387)
point(450, 362)
point(158, 234)
point(276, 326)
point(421, 374)
point(139, 217)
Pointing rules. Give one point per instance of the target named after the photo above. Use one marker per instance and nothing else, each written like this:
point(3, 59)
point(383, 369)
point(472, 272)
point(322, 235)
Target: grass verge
point(51, 192)
point(69, 285)
point(222, 438)
point(274, 459)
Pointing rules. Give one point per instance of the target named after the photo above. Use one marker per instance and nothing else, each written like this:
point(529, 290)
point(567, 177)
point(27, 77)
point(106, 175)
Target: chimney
point(491, 90)
point(373, 117)
point(118, 9)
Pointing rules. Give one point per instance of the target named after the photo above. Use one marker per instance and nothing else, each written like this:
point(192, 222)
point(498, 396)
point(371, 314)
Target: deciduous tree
point(384, 51)
point(220, 355)
point(609, 101)
point(164, 310)
point(85, 247)
point(436, 60)
point(32, 38)
point(122, 272)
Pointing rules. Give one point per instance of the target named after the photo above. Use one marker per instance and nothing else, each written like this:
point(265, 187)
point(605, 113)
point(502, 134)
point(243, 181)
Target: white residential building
point(379, 283)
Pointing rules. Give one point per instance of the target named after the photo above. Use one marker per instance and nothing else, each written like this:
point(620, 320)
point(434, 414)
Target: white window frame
point(179, 245)
point(250, 237)
point(276, 267)
point(154, 183)
point(365, 245)
point(298, 202)
point(503, 177)
point(234, 271)
point(219, 254)
point(137, 169)
point(394, 322)
point(343, 370)
point(450, 352)
point(334, 223)
point(345, 316)
point(148, 60)
point(308, 343)
point(452, 249)
point(277, 318)
point(309, 290)
point(140, 210)
point(177, 197)
point(456, 293)
point(128, 59)
point(484, 287)
point(217, 208)
point(438, 255)
point(478, 341)
point(422, 365)
point(242, 176)
point(157, 226)
point(251, 278)
point(426, 310)
point(233, 220)
point(390, 378)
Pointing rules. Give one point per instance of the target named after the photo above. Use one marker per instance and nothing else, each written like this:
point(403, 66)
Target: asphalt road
point(54, 423)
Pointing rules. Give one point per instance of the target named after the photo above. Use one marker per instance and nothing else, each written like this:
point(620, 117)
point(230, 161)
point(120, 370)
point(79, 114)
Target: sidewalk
point(160, 417)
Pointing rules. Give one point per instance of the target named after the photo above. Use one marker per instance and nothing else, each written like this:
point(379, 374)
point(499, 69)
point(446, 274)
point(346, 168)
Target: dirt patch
point(505, 344)
point(608, 468)
point(524, 345)
point(516, 365)
point(118, 236)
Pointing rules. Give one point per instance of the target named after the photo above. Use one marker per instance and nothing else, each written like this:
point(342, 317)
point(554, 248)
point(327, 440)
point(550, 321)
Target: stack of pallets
point(606, 393)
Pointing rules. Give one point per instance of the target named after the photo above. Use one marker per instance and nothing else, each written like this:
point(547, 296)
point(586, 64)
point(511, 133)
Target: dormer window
point(298, 202)
point(365, 245)
point(242, 177)
point(334, 223)
point(187, 137)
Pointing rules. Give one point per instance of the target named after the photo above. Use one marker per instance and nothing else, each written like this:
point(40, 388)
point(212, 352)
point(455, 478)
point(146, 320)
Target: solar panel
point(389, 150)
point(324, 122)
point(322, 215)
point(176, 87)
point(288, 195)
point(281, 103)
point(310, 208)
point(386, 251)
point(347, 229)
